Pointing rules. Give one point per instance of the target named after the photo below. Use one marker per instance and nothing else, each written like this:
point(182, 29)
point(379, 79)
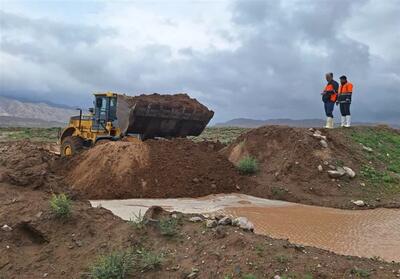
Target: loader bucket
point(158, 115)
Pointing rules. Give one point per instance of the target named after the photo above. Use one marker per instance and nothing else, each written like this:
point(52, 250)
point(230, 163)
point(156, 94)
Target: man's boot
point(331, 123)
point(348, 121)
point(327, 123)
point(343, 121)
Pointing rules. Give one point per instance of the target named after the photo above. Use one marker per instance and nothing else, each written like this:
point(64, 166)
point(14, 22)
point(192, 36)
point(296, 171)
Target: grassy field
point(33, 134)
point(382, 150)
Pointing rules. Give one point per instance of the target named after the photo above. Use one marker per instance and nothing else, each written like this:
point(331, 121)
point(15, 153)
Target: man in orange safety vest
point(329, 97)
point(344, 100)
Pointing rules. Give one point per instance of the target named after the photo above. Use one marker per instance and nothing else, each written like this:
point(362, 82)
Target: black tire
point(71, 146)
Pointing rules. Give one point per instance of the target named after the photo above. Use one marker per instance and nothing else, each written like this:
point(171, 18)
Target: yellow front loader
point(115, 116)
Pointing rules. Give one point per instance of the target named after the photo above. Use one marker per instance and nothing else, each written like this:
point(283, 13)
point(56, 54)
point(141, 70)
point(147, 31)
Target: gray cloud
point(277, 71)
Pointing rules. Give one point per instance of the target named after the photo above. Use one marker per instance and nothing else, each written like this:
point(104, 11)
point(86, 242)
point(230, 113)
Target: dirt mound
point(172, 101)
point(152, 169)
point(289, 160)
point(29, 164)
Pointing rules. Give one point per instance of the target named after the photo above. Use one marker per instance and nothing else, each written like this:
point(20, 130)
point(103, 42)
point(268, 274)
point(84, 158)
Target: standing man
point(344, 99)
point(329, 97)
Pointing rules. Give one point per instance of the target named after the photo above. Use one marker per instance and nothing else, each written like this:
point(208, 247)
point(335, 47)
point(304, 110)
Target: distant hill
point(26, 114)
point(305, 123)
point(10, 121)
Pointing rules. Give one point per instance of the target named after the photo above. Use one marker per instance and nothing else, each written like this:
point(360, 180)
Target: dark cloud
point(277, 71)
point(67, 34)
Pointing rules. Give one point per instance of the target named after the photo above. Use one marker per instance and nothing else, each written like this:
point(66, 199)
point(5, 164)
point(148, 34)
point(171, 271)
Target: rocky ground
point(38, 244)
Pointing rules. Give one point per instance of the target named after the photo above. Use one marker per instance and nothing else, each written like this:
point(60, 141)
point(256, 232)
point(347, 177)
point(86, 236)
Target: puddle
point(365, 233)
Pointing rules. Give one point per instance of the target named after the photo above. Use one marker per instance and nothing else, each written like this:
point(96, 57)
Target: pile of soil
point(176, 101)
point(152, 169)
point(288, 166)
point(28, 164)
point(39, 245)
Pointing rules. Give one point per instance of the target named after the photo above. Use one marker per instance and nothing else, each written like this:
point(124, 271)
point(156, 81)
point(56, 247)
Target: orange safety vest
point(329, 87)
point(346, 89)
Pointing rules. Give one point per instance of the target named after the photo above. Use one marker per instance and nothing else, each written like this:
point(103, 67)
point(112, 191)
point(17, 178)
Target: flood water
point(364, 233)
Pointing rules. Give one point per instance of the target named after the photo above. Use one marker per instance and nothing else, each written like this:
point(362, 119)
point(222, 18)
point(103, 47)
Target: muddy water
point(364, 233)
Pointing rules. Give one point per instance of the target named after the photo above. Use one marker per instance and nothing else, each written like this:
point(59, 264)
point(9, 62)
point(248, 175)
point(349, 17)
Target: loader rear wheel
point(71, 146)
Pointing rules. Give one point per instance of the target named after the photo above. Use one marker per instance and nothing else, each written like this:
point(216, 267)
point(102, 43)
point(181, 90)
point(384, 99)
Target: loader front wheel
point(71, 146)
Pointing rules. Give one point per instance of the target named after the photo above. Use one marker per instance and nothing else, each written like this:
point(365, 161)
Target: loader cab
point(105, 110)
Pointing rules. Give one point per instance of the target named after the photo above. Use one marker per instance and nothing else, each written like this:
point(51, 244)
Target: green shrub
point(168, 227)
point(248, 165)
point(60, 205)
point(360, 273)
point(249, 276)
point(282, 259)
point(259, 249)
point(138, 221)
point(116, 265)
point(149, 260)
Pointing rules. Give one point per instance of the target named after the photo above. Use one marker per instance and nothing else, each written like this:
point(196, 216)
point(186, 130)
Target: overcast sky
point(255, 59)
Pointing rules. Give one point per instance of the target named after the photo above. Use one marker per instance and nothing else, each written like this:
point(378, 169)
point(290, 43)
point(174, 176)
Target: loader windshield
point(105, 111)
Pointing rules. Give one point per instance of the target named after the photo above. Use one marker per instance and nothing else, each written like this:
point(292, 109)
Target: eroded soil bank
point(40, 245)
point(294, 164)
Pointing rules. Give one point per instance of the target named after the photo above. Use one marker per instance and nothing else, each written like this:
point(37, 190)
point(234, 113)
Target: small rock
point(78, 243)
point(317, 132)
point(39, 214)
point(362, 184)
point(320, 168)
point(359, 202)
point(332, 167)
point(243, 223)
point(335, 173)
point(211, 223)
point(220, 232)
point(311, 129)
point(174, 216)
point(225, 221)
point(213, 186)
point(326, 163)
point(192, 275)
point(238, 187)
point(196, 219)
point(277, 277)
point(45, 275)
point(319, 136)
point(341, 170)
point(323, 143)
point(368, 149)
point(195, 180)
point(177, 267)
point(218, 217)
point(350, 173)
point(6, 228)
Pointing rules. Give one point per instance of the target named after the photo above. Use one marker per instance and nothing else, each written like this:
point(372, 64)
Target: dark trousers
point(345, 109)
point(329, 108)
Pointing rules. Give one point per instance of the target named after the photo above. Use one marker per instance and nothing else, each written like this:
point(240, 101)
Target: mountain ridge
point(15, 112)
